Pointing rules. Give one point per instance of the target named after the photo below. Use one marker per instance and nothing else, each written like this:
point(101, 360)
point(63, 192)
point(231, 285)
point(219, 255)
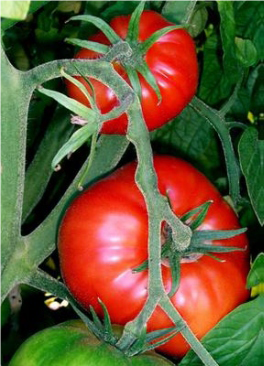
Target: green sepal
point(202, 235)
point(142, 267)
point(133, 27)
point(139, 345)
point(101, 24)
point(151, 336)
point(163, 341)
point(196, 246)
point(89, 45)
point(142, 344)
point(134, 80)
point(75, 141)
point(202, 211)
point(96, 319)
point(175, 266)
point(90, 161)
point(148, 75)
point(91, 326)
point(207, 248)
point(70, 103)
point(145, 46)
point(108, 330)
point(214, 257)
point(79, 85)
point(117, 111)
point(256, 273)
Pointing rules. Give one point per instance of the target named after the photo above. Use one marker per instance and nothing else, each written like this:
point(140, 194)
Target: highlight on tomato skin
point(103, 238)
point(172, 60)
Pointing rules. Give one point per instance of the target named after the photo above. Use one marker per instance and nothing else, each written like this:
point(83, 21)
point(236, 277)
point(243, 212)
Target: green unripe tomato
point(72, 344)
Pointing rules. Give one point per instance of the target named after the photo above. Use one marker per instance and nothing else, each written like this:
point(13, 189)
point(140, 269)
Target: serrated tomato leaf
point(228, 31)
point(249, 23)
point(256, 273)
point(178, 12)
point(237, 340)
point(251, 154)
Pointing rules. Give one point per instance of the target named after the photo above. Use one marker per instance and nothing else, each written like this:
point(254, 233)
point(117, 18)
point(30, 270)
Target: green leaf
point(251, 154)
point(227, 30)
point(118, 8)
point(257, 97)
point(215, 85)
point(178, 12)
point(39, 171)
point(256, 273)
point(69, 6)
point(34, 6)
point(109, 151)
point(246, 52)
point(190, 136)
point(237, 339)
point(249, 23)
point(76, 140)
point(198, 20)
point(14, 9)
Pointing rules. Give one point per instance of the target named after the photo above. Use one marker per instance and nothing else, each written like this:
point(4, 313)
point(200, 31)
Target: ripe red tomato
point(172, 60)
point(104, 234)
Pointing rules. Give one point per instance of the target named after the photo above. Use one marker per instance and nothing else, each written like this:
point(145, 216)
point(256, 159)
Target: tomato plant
point(71, 343)
point(219, 131)
point(171, 59)
point(103, 238)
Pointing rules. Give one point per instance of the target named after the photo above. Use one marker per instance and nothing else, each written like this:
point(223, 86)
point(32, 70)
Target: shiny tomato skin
point(172, 60)
point(103, 236)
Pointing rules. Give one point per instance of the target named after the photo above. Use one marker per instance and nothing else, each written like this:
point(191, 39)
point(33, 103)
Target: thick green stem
point(14, 125)
point(158, 210)
point(187, 333)
point(216, 119)
point(31, 249)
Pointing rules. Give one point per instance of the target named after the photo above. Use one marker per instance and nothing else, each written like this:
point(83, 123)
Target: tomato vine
point(23, 254)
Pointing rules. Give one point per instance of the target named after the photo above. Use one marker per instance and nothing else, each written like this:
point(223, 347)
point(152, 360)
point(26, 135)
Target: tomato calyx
point(200, 244)
point(110, 333)
point(90, 119)
point(133, 63)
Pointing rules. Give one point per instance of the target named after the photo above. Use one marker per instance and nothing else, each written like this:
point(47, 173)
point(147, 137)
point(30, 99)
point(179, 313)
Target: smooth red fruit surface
point(171, 59)
point(103, 237)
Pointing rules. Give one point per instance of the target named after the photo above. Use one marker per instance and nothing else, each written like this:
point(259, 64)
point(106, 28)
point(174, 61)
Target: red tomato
point(172, 60)
point(104, 235)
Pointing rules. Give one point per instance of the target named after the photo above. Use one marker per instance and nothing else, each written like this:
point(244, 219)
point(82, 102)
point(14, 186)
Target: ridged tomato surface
point(171, 59)
point(104, 234)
